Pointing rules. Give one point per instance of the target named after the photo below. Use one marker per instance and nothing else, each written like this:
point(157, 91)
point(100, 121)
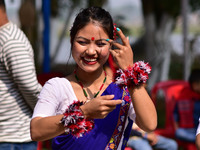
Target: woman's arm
point(146, 116)
point(45, 128)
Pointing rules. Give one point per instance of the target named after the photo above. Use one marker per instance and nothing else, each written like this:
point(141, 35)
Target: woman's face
point(90, 49)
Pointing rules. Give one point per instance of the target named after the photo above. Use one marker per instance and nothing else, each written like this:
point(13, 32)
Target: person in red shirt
point(187, 109)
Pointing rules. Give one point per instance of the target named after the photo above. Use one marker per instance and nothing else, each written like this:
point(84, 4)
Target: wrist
point(125, 67)
point(84, 111)
point(74, 121)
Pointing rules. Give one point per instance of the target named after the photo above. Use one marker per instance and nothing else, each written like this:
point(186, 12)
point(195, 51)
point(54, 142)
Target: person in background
point(87, 110)
point(187, 109)
point(19, 87)
point(141, 140)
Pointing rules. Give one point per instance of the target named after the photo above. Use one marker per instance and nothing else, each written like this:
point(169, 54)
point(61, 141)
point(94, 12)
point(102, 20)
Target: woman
point(86, 110)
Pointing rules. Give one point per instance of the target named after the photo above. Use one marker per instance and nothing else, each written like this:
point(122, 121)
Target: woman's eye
point(101, 44)
point(82, 42)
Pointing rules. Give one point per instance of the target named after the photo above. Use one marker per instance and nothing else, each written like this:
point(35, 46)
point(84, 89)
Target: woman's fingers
point(100, 106)
point(123, 55)
point(112, 103)
point(124, 39)
point(107, 101)
point(113, 43)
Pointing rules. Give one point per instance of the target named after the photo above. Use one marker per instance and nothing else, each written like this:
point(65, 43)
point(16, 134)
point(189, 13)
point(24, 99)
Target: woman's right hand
point(99, 107)
point(123, 54)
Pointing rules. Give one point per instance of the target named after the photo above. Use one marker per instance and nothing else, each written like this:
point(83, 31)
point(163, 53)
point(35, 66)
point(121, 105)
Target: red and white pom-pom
point(74, 121)
point(135, 75)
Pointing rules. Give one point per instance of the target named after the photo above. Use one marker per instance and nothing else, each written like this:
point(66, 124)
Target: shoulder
point(12, 34)
point(58, 81)
point(57, 87)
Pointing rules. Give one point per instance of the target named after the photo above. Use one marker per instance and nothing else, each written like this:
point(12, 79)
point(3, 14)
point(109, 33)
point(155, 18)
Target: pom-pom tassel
point(74, 121)
point(133, 75)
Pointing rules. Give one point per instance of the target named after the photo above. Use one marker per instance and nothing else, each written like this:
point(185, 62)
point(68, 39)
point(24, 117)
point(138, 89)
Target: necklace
point(84, 91)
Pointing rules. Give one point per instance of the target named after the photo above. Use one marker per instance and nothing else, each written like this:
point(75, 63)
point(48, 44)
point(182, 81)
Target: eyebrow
point(80, 37)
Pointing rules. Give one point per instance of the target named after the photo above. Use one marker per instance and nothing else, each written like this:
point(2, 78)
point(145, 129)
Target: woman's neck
point(88, 78)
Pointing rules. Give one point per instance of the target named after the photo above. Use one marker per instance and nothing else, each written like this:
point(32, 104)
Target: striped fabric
point(19, 87)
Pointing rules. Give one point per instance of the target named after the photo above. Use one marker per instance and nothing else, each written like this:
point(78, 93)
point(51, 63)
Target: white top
point(54, 98)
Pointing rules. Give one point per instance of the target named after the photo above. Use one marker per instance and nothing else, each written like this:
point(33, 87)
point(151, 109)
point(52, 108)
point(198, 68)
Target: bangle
point(74, 121)
point(133, 75)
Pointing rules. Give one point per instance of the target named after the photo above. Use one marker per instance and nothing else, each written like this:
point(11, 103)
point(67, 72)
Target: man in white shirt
point(19, 86)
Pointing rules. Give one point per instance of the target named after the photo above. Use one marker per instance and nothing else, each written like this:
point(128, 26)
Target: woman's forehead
point(92, 30)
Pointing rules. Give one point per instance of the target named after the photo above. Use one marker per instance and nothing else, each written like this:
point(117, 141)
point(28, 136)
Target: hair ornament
point(115, 32)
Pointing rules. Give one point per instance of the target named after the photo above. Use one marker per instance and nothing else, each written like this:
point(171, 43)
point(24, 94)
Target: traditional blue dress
point(110, 133)
point(107, 133)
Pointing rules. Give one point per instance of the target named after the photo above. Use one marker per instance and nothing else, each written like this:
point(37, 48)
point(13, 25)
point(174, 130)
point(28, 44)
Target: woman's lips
point(90, 61)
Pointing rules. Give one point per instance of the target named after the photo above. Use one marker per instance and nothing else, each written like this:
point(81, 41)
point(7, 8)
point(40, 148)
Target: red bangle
point(74, 121)
point(135, 75)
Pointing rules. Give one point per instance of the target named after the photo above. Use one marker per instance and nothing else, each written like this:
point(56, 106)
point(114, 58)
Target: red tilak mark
point(92, 38)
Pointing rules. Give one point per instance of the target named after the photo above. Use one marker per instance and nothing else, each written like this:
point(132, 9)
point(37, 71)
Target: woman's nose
point(92, 49)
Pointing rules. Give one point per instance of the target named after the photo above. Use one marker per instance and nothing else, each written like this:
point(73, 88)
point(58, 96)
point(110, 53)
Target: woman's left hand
point(123, 55)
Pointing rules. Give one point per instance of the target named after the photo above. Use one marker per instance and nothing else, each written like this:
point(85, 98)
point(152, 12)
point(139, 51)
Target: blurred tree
point(71, 5)
point(195, 4)
point(29, 25)
point(159, 22)
point(98, 3)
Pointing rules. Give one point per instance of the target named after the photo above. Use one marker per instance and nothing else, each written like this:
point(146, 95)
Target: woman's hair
point(92, 14)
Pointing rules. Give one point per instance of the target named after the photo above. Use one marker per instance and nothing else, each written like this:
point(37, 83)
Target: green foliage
point(98, 3)
point(195, 4)
point(160, 8)
point(196, 64)
point(54, 8)
point(118, 20)
point(59, 5)
point(176, 68)
point(170, 7)
point(137, 31)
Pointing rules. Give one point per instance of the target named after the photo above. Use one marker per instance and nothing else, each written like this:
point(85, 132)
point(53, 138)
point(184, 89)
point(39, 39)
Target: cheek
point(105, 52)
point(75, 52)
